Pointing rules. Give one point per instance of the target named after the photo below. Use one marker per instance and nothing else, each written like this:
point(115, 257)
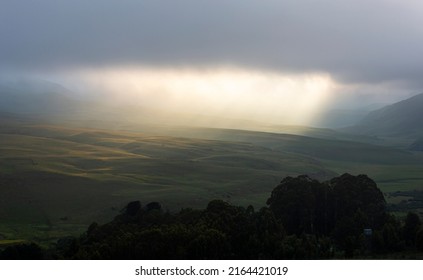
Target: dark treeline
point(345, 217)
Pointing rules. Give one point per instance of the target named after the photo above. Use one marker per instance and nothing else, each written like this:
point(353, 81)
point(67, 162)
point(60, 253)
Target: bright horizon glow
point(229, 93)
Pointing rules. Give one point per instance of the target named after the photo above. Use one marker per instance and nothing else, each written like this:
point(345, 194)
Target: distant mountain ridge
point(35, 98)
point(403, 118)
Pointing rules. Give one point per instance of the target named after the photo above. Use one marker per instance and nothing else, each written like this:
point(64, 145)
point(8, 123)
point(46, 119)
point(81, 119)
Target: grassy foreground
point(55, 180)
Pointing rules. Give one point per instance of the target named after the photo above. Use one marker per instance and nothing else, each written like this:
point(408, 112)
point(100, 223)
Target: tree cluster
point(345, 217)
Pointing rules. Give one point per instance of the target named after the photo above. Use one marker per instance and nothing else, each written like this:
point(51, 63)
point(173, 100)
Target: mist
point(278, 62)
point(223, 93)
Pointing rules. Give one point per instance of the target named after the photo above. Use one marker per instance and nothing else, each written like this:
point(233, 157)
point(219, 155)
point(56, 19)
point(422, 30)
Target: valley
point(57, 179)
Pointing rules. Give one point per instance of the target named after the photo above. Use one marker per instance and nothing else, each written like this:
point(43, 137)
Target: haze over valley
point(190, 102)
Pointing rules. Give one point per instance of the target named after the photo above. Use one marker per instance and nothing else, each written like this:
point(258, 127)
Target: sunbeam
point(223, 93)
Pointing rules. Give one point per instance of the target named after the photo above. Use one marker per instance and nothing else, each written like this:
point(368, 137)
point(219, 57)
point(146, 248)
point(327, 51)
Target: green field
point(56, 180)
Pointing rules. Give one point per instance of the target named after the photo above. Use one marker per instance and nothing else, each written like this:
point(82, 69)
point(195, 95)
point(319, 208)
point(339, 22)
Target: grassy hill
point(401, 119)
point(55, 180)
point(392, 168)
point(61, 179)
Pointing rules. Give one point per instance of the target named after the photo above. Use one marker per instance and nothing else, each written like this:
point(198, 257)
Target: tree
point(411, 226)
point(295, 201)
point(341, 208)
point(353, 193)
point(29, 251)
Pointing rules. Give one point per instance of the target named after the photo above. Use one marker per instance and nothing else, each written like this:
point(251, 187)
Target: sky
point(264, 59)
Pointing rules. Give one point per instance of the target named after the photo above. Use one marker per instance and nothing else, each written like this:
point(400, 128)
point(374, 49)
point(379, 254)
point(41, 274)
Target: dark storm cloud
point(355, 41)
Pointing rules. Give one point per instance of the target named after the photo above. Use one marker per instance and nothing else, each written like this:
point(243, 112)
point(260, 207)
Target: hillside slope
point(56, 179)
point(403, 118)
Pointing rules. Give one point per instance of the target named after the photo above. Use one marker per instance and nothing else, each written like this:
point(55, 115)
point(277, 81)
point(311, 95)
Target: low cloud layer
point(372, 43)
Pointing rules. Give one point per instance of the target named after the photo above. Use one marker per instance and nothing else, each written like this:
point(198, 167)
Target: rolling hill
point(401, 119)
point(56, 179)
point(65, 163)
point(36, 98)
